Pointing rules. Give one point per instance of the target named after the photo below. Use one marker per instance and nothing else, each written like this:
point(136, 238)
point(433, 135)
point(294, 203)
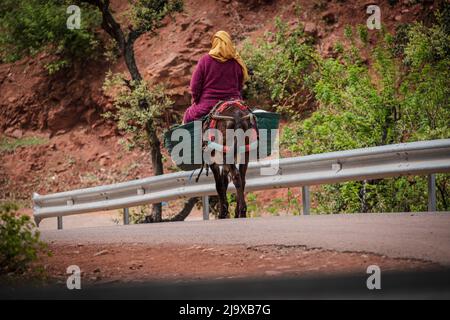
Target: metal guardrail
point(415, 158)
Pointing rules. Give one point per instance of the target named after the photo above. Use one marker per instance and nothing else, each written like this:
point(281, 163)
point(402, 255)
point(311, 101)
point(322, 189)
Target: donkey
point(234, 115)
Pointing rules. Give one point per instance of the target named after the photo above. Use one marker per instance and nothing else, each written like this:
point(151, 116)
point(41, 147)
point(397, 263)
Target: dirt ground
point(139, 262)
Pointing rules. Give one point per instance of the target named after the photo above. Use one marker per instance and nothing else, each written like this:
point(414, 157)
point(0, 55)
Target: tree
point(31, 26)
point(146, 16)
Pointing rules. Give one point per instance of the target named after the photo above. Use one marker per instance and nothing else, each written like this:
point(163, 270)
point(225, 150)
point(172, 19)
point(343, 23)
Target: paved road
point(419, 235)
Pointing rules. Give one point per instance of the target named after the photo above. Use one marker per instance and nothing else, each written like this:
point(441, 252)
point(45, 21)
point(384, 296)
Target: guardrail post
point(126, 216)
point(60, 223)
point(205, 205)
point(432, 192)
point(305, 200)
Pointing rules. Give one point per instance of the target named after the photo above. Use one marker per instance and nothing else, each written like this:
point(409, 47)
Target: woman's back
point(219, 75)
point(211, 82)
point(221, 80)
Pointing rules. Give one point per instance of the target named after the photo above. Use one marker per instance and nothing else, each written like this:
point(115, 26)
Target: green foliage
point(283, 64)
point(339, 48)
point(348, 32)
point(427, 45)
point(276, 206)
point(147, 14)
point(29, 26)
point(403, 97)
point(289, 205)
point(138, 215)
point(130, 115)
point(111, 50)
point(363, 33)
point(19, 241)
point(55, 66)
point(10, 144)
point(399, 40)
point(254, 207)
point(399, 104)
point(355, 112)
point(402, 194)
point(426, 87)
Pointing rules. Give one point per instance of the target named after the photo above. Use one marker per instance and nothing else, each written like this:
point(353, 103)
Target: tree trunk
point(188, 205)
point(126, 46)
point(130, 60)
point(157, 164)
point(155, 145)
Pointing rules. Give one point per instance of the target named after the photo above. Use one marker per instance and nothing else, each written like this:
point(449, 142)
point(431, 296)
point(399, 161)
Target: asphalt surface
point(423, 236)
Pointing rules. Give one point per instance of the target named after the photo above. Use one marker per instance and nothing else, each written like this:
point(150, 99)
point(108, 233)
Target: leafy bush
point(147, 14)
point(403, 97)
point(363, 33)
point(29, 26)
point(129, 115)
point(138, 215)
point(253, 205)
point(19, 241)
point(290, 204)
point(283, 64)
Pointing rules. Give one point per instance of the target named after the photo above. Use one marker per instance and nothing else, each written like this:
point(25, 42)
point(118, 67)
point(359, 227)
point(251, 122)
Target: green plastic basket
point(264, 120)
point(195, 144)
point(269, 121)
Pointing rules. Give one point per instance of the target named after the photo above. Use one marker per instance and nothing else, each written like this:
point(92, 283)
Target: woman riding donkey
point(220, 76)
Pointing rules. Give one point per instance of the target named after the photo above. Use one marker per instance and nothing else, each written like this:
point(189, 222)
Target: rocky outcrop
point(32, 99)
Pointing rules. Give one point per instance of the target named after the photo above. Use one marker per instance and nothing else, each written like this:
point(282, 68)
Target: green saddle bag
point(264, 120)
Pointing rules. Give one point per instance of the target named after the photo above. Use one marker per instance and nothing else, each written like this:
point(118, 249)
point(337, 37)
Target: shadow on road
point(394, 285)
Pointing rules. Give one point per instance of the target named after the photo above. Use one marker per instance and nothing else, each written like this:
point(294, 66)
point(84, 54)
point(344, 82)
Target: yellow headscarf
point(222, 49)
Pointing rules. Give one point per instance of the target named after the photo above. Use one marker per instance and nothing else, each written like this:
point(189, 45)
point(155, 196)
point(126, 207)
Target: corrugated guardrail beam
point(424, 157)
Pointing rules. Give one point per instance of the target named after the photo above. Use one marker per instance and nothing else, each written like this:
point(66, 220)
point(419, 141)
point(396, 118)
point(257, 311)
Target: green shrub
point(363, 33)
point(29, 26)
point(137, 215)
point(253, 206)
point(289, 205)
point(147, 14)
point(399, 39)
point(10, 144)
point(403, 97)
point(129, 115)
point(283, 64)
point(348, 32)
point(19, 240)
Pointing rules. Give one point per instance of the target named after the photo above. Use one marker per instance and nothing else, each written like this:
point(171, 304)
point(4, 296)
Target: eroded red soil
point(138, 262)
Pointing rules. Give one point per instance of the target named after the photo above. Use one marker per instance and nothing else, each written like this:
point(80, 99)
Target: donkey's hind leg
point(221, 188)
point(241, 206)
point(243, 172)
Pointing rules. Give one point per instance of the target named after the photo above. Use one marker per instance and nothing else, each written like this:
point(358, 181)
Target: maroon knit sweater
point(211, 82)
